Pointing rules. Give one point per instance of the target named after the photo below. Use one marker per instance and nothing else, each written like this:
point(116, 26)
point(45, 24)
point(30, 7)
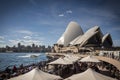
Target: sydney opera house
point(74, 39)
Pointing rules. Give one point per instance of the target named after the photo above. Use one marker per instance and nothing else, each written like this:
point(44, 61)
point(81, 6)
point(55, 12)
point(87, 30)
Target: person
point(21, 66)
point(112, 55)
point(8, 70)
point(14, 69)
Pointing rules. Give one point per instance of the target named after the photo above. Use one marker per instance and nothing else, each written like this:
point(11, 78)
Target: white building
point(74, 36)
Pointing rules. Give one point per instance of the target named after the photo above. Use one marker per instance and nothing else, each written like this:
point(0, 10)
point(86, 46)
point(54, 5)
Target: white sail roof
point(82, 40)
point(105, 37)
point(89, 74)
point(74, 35)
point(36, 74)
point(75, 40)
point(107, 40)
point(72, 31)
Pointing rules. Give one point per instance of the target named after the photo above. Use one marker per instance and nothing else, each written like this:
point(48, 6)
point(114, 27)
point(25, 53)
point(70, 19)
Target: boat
point(30, 55)
point(33, 56)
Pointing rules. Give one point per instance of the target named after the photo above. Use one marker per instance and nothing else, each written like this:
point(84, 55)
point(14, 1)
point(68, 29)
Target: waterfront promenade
point(67, 71)
point(102, 58)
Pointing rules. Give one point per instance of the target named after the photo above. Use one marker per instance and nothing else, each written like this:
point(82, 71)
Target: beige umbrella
point(36, 74)
point(61, 61)
point(89, 74)
point(89, 59)
point(72, 58)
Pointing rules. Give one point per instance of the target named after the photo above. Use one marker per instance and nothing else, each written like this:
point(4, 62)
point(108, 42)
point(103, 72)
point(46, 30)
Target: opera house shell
point(72, 31)
point(74, 35)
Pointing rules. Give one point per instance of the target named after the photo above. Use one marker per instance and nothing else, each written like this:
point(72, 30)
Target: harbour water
point(10, 59)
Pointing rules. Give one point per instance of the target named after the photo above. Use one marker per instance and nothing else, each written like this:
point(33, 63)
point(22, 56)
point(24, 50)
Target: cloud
point(61, 15)
point(116, 42)
point(27, 37)
point(2, 45)
point(1, 38)
point(69, 12)
point(64, 13)
point(14, 42)
point(25, 42)
point(37, 42)
point(2, 41)
point(25, 32)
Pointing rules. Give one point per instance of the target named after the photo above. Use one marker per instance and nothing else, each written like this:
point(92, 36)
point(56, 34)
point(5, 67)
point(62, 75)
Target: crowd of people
point(63, 70)
point(78, 67)
point(15, 71)
point(112, 55)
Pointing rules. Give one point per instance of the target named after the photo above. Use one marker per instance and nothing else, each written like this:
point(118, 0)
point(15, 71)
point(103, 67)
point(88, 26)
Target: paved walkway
point(109, 60)
point(106, 59)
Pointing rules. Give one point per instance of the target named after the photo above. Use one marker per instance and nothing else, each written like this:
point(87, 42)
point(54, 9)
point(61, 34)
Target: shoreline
point(22, 52)
point(11, 59)
point(43, 65)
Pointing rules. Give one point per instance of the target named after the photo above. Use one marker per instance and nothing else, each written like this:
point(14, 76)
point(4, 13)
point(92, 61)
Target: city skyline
point(28, 48)
point(42, 22)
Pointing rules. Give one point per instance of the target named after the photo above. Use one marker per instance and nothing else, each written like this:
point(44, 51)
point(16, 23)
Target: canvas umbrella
point(61, 61)
point(89, 59)
point(89, 74)
point(72, 58)
point(36, 74)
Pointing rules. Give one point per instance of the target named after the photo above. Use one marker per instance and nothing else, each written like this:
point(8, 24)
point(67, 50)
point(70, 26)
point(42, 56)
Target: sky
point(43, 21)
